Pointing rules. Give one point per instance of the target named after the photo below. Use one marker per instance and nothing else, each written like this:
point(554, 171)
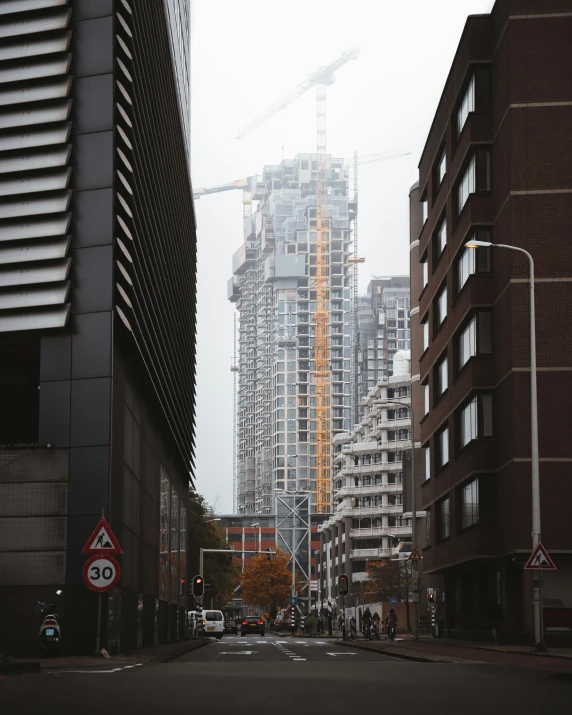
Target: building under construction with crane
point(276, 287)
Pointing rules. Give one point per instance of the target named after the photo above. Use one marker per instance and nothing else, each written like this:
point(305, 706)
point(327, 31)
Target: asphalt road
point(282, 676)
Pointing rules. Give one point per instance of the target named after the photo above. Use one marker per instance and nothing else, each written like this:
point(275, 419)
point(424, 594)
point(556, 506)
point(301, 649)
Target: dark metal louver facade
point(97, 315)
point(35, 107)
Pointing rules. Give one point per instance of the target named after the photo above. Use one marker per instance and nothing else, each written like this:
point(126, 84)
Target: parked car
point(213, 624)
point(230, 626)
point(252, 624)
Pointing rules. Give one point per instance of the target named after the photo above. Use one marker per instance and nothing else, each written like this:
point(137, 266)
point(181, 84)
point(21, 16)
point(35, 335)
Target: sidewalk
point(446, 650)
point(151, 654)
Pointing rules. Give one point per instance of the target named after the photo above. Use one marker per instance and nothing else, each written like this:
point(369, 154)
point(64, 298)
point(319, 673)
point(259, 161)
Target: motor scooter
point(50, 634)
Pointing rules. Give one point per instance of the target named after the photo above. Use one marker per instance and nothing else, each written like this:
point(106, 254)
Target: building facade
point(97, 318)
point(496, 167)
point(258, 532)
point(384, 328)
point(275, 296)
point(368, 523)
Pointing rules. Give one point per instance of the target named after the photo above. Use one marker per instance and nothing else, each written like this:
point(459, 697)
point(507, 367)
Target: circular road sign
point(101, 573)
point(393, 601)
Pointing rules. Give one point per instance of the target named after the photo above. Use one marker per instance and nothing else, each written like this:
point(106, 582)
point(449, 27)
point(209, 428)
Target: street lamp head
point(209, 520)
point(476, 244)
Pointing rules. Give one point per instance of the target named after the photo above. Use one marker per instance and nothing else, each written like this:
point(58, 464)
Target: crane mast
point(322, 319)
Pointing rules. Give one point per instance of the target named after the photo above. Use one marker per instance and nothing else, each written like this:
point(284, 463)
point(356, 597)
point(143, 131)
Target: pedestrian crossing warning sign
point(540, 560)
point(414, 556)
point(102, 540)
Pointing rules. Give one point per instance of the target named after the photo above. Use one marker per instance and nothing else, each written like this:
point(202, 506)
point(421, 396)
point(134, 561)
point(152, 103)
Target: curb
point(393, 654)
point(178, 652)
point(17, 668)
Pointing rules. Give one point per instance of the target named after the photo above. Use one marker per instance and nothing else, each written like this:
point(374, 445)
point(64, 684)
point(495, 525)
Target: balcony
point(359, 576)
point(373, 553)
point(372, 469)
point(359, 447)
point(374, 489)
point(380, 531)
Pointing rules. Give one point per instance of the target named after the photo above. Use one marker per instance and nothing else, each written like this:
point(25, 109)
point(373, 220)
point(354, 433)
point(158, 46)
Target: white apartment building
point(368, 523)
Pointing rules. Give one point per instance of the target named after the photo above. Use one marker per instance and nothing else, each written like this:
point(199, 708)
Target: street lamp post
point(536, 531)
point(415, 574)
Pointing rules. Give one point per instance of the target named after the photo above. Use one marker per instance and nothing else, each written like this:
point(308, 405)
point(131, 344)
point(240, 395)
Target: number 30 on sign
point(101, 573)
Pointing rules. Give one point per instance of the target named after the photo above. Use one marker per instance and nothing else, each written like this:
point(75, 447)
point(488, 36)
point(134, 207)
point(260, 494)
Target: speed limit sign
point(101, 573)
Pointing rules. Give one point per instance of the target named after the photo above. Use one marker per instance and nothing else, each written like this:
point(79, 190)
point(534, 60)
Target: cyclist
point(391, 624)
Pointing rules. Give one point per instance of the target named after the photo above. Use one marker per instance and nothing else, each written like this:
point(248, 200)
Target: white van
point(214, 624)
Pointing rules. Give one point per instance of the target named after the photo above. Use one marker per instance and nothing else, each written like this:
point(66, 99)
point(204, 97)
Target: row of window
point(474, 503)
point(474, 421)
point(474, 338)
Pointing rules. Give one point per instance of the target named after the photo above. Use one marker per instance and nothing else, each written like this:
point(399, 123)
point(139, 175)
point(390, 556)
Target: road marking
point(238, 652)
point(341, 653)
point(86, 671)
point(298, 658)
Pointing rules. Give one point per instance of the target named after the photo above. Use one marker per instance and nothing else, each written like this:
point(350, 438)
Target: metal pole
point(201, 557)
point(98, 636)
point(536, 530)
point(535, 466)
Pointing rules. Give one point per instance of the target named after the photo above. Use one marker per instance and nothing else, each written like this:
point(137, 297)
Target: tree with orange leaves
point(267, 581)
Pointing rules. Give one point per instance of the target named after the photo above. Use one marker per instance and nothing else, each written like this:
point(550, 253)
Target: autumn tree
point(390, 578)
point(267, 581)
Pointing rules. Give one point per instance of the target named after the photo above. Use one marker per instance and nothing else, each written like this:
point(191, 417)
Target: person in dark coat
point(495, 619)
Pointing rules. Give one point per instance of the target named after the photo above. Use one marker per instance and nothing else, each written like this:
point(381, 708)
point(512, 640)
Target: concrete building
point(258, 532)
point(496, 167)
point(273, 290)
point(384, 328)
point(368, 523)
point(97, 315)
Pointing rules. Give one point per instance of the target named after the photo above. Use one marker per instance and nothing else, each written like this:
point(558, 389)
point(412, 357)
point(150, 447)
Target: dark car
point(230, 626)
point(252, 624)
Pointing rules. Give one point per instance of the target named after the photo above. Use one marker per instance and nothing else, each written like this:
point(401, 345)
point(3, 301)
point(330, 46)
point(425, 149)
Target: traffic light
point(198, 586)
point(183, 584)
point(430, 596)
point(343, 585)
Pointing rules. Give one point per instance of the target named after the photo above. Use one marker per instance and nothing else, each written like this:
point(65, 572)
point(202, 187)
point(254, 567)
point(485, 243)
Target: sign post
point(101, 572)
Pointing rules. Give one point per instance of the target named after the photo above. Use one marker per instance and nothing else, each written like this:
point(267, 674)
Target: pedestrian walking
point(495, 619)
point(353, 629)
point(391, 624)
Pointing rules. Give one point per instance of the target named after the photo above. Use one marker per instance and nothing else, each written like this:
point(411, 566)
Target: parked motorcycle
point(50, 635)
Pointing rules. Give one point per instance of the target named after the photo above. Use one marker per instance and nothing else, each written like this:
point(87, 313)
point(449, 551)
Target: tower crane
point(321, 78)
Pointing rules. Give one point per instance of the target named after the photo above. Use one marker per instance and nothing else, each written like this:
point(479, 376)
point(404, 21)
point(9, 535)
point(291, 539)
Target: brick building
point(497, 166)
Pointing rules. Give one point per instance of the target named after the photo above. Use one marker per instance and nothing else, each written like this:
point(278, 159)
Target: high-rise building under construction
point(274, 288)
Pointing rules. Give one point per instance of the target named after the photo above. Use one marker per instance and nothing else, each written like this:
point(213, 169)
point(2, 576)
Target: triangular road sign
point(102, 540)
point(540, 560)
point(414, 556)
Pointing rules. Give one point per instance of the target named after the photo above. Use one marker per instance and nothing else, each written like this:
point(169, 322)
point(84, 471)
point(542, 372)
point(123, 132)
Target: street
point(285, 675)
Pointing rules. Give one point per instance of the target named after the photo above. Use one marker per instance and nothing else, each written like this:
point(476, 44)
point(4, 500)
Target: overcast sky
point(245, 56)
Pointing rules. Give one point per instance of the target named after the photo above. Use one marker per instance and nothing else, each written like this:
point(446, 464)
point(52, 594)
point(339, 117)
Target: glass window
point(426, 397)
point(425, 265)
point(426, 335)
point(470, 499)
point(468, 342)
point(477, 418)
point(443, 513)
point(466, 185)
point(441, 378)
point(474, 260)
point(441, 167)
point(441, 237)
point(441, 312)
point(443, 443)
point(427, 451)
point(467, 104)
point(425, 210)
